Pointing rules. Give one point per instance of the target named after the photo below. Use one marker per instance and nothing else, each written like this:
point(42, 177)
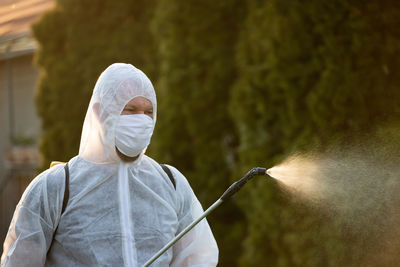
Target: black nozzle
point(236, 186)
point(260, 171)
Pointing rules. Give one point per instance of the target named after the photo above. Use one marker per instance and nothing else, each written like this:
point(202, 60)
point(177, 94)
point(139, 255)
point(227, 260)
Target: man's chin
point(124, 157)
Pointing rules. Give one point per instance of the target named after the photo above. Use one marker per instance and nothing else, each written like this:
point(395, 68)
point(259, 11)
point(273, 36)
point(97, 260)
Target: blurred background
point(239, 84)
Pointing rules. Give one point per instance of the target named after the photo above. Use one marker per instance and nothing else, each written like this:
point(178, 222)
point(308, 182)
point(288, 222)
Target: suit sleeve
point(198, 247)
point(35, 218)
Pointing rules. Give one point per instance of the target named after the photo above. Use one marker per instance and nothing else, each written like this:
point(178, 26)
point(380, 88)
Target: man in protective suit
point(122, 207)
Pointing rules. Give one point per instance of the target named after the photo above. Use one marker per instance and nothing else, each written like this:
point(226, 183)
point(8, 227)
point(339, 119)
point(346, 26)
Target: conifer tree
point(197, 42)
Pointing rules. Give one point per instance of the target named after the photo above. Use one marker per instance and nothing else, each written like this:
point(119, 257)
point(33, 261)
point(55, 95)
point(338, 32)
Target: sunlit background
point(239, 84)
point(19, 122)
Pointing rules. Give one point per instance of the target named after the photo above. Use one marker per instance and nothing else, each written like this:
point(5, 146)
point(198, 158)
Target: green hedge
point(195, 132)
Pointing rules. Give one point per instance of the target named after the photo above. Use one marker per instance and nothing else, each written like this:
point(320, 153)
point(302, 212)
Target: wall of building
point(17, 162)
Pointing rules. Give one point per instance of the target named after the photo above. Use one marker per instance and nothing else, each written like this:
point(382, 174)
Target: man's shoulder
point(177, 175)
point(48, 182)
point(55, 175)
point(152, 161)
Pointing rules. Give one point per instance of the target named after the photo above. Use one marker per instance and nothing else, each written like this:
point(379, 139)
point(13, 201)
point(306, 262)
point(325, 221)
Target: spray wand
point(233, 189)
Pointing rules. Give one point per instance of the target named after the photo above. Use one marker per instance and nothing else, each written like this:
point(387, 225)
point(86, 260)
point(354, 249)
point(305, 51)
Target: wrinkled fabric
point(118, 213)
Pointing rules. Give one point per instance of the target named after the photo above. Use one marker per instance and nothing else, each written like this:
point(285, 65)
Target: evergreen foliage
point(195, 132)
point(311, 73)
point(78, 40)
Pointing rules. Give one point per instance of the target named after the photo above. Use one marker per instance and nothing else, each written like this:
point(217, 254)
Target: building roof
point(16, 18)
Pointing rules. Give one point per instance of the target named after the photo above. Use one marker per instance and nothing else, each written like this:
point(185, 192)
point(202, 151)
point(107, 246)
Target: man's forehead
point(139, 100)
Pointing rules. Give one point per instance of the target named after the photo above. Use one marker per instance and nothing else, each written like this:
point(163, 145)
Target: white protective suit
point(118, 214)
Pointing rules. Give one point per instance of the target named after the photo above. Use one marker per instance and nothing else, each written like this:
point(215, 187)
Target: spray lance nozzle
point(236, 186)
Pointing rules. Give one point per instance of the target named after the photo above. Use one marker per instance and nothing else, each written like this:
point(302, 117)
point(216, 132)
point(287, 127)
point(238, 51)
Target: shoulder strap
point(169, 173)
point(65, 201)
point(66, 189)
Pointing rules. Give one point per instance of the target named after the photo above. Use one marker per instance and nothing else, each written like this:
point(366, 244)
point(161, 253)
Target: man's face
point(138, 105)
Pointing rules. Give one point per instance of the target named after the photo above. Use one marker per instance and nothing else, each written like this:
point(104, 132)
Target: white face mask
point(133, 133)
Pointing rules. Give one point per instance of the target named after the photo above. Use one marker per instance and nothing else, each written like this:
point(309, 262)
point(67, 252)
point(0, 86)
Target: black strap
point(169, 173)
point(66, 189)
point(65, 201)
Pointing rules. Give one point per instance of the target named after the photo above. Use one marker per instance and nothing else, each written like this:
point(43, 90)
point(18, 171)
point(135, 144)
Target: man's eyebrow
point(131, 106)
